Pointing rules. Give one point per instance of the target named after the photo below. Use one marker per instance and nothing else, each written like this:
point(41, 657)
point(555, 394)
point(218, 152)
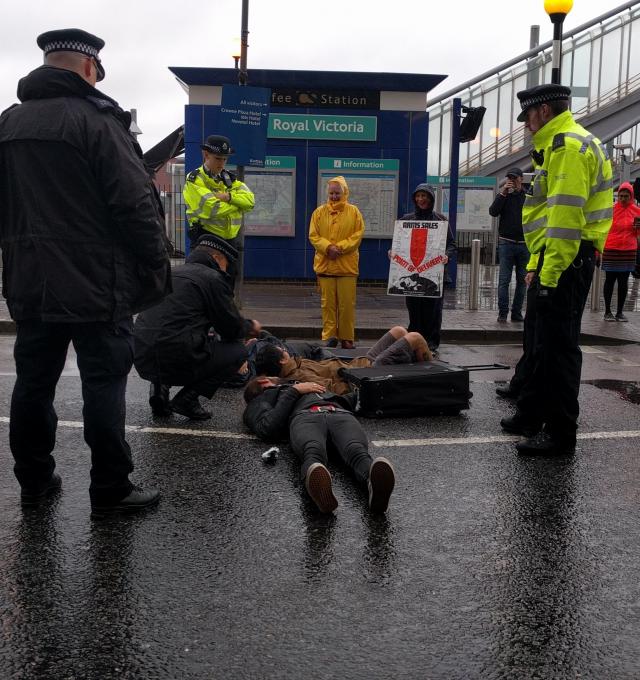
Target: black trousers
point(550, 396)
point(105, 357)
point(226, 359)
point(310, 432)
point(524, 367)
point(425, 317)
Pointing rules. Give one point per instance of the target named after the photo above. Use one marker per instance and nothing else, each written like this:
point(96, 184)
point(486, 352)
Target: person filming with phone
point(512, 249)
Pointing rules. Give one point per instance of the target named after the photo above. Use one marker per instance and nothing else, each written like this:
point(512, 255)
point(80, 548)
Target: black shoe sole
point(318, 485)
point(118, 509)
point(524, 431)
point(190, 414)
point(382, 481)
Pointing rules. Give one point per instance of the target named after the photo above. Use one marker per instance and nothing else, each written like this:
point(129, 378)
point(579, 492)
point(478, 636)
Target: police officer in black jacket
point(194, 337)
point(83, 250)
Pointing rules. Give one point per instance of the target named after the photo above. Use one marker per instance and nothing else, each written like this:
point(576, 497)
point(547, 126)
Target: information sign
point(274, 189)
point(475, 195)
point(373, 188)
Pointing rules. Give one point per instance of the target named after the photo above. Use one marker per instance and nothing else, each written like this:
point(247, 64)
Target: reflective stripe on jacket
point(571, 197)
point(218, 217)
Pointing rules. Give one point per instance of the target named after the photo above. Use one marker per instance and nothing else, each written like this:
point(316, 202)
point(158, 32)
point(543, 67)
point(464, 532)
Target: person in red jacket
point(619, 256)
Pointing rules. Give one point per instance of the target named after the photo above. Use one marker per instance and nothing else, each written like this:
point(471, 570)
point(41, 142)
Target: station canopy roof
point(360, 80)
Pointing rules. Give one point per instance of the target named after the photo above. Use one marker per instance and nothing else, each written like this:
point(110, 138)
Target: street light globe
point(236, 48)
point(558, 6)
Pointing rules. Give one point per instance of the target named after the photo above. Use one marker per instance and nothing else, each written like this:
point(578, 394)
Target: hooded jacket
point(336, 223)
point(623, 235)
point(431, 214)
point(80, 228)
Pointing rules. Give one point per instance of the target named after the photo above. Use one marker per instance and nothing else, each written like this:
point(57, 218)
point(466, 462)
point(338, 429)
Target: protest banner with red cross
point(417, 258)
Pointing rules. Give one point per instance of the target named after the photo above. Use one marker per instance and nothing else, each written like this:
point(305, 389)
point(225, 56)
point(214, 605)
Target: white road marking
point(433, 441)
point(490, 439)
point(588, 349)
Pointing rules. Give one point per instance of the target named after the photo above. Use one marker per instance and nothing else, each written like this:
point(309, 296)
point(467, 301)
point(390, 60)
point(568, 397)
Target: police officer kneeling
point(566, 217)
point(174, 341)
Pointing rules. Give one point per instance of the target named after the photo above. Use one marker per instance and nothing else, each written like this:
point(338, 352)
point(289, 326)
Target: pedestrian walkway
point(292, 310)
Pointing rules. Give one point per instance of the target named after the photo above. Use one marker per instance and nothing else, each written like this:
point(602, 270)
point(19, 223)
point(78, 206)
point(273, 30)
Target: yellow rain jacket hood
point(336, 223)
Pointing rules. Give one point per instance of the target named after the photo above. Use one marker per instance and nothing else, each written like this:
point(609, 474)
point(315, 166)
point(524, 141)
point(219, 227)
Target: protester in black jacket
point(312, 418)
point(425, 313)
point(83, 249)
point(194, 337)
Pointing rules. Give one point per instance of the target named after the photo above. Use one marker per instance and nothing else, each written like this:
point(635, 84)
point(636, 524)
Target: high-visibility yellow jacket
point(340, 224)
point(221, 218)
point(571, 197)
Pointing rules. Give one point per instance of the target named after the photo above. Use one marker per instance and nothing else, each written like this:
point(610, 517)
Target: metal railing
point(599, 62)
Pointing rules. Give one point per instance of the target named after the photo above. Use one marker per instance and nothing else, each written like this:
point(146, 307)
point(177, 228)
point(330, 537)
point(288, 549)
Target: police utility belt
point(586, 249)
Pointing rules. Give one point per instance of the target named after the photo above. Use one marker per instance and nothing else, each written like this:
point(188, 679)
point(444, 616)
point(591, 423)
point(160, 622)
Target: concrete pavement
point(293, 310)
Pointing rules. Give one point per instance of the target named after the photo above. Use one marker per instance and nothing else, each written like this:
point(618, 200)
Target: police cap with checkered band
point(73, 40)
point(541, 94)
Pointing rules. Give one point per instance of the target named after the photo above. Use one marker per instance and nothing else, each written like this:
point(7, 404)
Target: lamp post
point(242, 80)
point(557, 11)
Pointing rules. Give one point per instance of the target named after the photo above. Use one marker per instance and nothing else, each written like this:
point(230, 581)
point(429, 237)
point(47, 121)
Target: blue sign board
point(244, 116)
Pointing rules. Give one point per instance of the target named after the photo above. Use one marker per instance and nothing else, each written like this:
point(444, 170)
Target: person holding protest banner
point(425, 313)
point(335, 232)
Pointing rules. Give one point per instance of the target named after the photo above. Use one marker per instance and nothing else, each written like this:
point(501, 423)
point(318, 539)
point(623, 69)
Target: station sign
point(301, 126)
point(334, 99)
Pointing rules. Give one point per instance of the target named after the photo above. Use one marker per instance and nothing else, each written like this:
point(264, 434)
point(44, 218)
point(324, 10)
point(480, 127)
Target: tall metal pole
point(556, 50)
point(456, 113)
point(242, 80)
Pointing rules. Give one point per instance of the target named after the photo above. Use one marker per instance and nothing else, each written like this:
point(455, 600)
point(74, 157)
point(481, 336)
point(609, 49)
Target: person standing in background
point(619, 256)
point(335, 232)
point(512, 250)
point(425, 313)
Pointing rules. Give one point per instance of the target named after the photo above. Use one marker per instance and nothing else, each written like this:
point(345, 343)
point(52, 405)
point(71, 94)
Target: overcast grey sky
point(144, 37)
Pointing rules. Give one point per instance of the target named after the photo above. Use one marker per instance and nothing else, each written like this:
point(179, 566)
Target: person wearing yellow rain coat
point(335, 232)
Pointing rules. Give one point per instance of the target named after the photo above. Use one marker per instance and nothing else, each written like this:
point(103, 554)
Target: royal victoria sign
point(329, 99)
point(300, 126)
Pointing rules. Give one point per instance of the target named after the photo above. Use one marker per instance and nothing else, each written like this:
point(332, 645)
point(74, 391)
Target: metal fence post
point(474, 276)
point(596, 286)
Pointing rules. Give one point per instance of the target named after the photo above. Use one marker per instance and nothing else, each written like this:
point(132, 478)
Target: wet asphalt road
point(486, 565)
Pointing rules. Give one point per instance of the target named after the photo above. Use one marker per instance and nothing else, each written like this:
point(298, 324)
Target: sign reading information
point(417, 258)
point(373, 187)
point(475, 195)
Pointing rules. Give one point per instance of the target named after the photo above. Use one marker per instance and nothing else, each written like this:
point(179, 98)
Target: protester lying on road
point(295, 348)
point(396, 346)
point(313, 417)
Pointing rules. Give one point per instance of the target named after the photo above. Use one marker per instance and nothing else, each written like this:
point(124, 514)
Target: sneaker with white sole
point(318, 484)
point(382, 479)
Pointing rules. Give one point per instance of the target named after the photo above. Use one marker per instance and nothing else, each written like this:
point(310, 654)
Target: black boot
point(187, 404)
point(159, 399)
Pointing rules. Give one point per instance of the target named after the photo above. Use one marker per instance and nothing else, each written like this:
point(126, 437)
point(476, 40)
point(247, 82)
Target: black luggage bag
point(428, 388)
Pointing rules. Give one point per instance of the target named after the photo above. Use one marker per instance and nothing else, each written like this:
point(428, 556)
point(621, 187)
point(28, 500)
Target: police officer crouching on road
point(214, 198)
point(566, 218)
point(83, 250)
point(174, 343)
